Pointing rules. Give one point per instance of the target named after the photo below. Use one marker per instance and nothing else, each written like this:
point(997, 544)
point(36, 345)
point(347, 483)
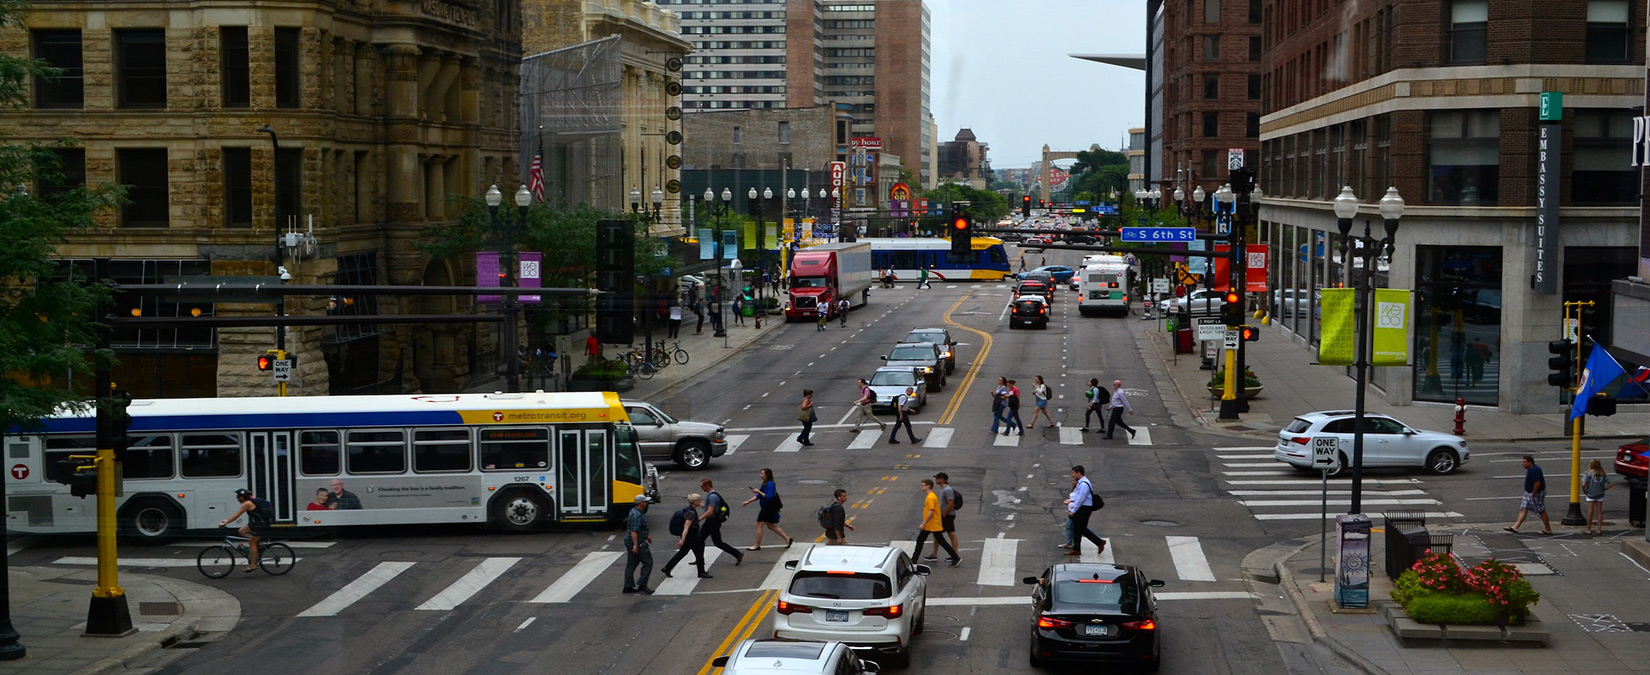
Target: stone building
point(1210, 78)
point(739, 149)
point(964, 159)
point(382, 112)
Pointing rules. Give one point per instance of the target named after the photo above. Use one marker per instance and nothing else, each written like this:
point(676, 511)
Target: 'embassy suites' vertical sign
point(1549, 148)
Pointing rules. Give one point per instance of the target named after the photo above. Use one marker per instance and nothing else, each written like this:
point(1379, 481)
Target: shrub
point(1437, 590)
point(1458, 609)
point(1440, 572)
point(1503, 584)
point(1218, 380)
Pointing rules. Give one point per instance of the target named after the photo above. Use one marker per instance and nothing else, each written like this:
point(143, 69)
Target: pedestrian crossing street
point(1272, 490)
point(559, 579)
point(842, 437)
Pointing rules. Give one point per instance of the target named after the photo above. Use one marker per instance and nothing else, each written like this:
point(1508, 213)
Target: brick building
point(382, 111)
point(1210, 70)
point(964, 159)
point(740, 149)
point(1440, 99)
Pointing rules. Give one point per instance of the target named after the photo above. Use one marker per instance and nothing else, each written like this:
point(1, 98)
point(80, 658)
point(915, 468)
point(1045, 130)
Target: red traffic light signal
point(960, 224)
point(265, 362)
point(1250, 334)
point(1233, 298)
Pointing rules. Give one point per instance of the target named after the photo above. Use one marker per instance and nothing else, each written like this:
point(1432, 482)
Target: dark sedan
point(1059, 273)
point(1094, 613)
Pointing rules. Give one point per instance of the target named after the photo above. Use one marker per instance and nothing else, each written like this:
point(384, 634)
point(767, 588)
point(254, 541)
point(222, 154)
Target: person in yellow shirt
point(931, 525)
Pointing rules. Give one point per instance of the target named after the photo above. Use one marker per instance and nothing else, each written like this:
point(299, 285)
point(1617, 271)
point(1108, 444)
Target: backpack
point(261, 514)
point(719, 510)
point(956, 499)
point(825, 515)
point(678, 521)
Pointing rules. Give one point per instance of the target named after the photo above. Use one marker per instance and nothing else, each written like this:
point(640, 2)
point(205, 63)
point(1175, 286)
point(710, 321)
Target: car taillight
point(1303, 440)
point(793, 608)
point(1143, 624)
point(891, 612)
point(1051, 622)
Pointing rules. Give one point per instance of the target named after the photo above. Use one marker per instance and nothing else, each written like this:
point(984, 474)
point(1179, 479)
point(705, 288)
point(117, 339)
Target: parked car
point(1094, 613)
point(1201, 301)
point(874, 598)
point(923, 356)
point(764, 656)
point(662, 437)
point(940, 337)
point(1030, 310)
point(1387, 443)
point(1292, 301)
point(890, 381)
point(1631, 461)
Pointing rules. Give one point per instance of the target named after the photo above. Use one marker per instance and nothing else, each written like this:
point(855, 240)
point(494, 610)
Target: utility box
point(1352, 561)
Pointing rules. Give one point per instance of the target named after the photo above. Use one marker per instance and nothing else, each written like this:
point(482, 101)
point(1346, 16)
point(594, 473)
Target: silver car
point(792, 657)
point(889, 382)
point(1387, 442)
point(662, 437)
point(871, 597)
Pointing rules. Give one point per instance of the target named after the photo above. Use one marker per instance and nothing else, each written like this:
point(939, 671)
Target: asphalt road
point(1184, 504)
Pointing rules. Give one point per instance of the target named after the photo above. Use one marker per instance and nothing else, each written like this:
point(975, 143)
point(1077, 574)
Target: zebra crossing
point(829, 437)
point(1272, 490)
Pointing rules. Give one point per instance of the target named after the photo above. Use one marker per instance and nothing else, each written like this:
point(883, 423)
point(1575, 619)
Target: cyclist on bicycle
point(257, 522)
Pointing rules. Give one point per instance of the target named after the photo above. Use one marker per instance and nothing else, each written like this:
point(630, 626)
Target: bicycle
point(639, 365)
point(676, 351)
point(217, 562)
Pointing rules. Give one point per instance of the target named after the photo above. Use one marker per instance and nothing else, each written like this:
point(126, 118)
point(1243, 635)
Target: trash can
point(1635, 501)
point(1183, 341)
point(1400, 554)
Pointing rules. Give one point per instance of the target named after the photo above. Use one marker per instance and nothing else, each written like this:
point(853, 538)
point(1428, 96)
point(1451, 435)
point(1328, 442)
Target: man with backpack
point(834, 519)
point(257, 512)
point(1098, 397)
point(902, 416)
point(710, 523)
point(950, 502)
point(685, 525)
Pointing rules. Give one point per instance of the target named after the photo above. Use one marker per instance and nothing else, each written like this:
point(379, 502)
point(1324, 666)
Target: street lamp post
point(1369, 249)
point(717, 210)
point(280, 304)
point(507, 261)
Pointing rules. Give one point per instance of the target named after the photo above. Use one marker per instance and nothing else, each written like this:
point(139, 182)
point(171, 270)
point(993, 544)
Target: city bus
point(1102, 285)
point(512, 461)
point(907, 255)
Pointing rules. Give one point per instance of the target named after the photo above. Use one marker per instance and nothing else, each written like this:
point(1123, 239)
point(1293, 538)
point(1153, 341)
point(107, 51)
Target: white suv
point(873, 599)
point(1387, 442)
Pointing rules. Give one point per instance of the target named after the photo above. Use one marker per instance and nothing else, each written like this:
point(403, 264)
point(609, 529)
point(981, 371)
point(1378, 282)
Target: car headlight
point(721, 434)
point(926, 369)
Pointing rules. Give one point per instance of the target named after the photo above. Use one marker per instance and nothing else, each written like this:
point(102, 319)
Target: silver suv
point(662, 437)
point(872, 598)
point(924, 356)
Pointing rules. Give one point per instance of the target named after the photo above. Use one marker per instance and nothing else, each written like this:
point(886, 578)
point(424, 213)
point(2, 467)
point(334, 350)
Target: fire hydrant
point(1460, 415)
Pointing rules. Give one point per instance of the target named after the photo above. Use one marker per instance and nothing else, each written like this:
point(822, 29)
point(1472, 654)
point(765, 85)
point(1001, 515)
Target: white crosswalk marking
point(1241, 447)
point(1373, 515)
point(577, 578)
point(1263, 484)
point(686, 577)
point(790, 445)
point(865, 440)
point(1008, 441)
point(357, 589)
point(1297, 493)
point(997, 562)
point(777, 576)
point(907, 545)
point(469, 584)
point(1142, 436)
point(1189, 561)
point(736, 440)
point(1340, 502)
point(1071, 436)
point(1107, 557)
point(938, 438)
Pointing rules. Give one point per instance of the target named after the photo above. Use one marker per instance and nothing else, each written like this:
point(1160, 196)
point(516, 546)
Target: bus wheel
point(151, 521)
point(519, 511)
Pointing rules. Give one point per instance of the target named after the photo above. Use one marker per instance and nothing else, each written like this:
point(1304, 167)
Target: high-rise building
point(739, 52)
point(1211, 87)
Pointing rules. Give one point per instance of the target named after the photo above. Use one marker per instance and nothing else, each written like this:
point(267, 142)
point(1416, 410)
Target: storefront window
point(1458, 324)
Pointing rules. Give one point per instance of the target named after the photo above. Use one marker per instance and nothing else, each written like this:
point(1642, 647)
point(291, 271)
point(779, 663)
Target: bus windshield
point(627, 458)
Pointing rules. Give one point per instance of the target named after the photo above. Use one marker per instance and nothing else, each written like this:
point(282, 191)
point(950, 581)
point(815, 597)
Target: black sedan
point(1094, 613)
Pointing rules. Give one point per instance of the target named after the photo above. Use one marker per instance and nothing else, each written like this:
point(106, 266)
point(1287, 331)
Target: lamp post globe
point(635, 198)
point(727, 195)
point(710, 195)
point(767, 193)
point(524, 197)
point(1346, 205)
point(791, 193)
point(1179, 195)
point(1198, 194)
point(1392, 207)
point(494, 197)
point(751, 194)
point(658, 197)
point(821, 193)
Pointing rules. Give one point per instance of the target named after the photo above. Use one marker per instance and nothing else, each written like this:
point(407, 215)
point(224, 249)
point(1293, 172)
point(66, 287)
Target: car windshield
point(1093, 594)
point(933, 336)
point(841, 586)
point(1028, 306)
point(912, 353)
point(807, 282)
point(894, 378)
point(786, 650)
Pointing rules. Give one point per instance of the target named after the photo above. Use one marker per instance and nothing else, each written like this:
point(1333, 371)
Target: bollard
point(1460, 415)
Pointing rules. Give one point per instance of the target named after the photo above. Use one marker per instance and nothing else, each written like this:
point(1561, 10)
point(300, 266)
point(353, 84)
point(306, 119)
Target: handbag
point(1099, 503)
point(805, 415)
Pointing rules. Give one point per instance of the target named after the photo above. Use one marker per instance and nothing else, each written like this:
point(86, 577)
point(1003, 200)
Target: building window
point(1254, 49)
point(1457, 347)
point(1211, 86)
point(1251, 125)
point(736, 135)
point(1254, 12)
point(1468, 28)
point(286, 67)
point(1607, 31)
point(784, 132)
point(1211, 124)
point(1211, 164)
point(69, 173)
point(60, 49)
point(143, 172)
point(289, 170)
point(1463, 154)
point(237, 187)
point(1254, 87)
point(1211, 48)
point(140, 68)
point(1211, 11)
point(235, 67)
point(1602, 171)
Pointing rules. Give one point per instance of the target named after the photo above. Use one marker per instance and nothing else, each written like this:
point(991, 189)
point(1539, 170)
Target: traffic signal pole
point(108, 615)
point(1572, 516)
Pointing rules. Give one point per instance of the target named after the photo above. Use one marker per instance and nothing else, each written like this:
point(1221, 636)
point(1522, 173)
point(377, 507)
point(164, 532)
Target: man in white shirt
point(675, 319)
point(1079, 507)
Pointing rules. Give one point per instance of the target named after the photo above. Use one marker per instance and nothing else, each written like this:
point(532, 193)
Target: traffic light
point(615, 280)
point(1231, 309)
point(266, 361)
point(1025, 206)
point(1562, 363)
point(962, 235)
point(1251, 334)
point(81, 478)
point(1602, 405)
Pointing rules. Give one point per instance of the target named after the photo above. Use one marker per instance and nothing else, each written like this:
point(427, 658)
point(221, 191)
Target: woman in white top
point(1041, 393)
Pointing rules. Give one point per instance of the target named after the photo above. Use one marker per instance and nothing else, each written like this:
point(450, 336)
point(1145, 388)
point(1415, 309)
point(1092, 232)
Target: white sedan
point(1201, 301)
point(1387, 443)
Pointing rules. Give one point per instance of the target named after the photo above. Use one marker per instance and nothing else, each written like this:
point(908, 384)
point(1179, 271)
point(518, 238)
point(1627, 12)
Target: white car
point(1387, 443)
point(889, 382)
point(1201, 301)
point(872, 598)
point(787, 657)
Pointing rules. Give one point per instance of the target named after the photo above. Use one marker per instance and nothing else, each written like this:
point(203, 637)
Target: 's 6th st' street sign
point(1149, 234)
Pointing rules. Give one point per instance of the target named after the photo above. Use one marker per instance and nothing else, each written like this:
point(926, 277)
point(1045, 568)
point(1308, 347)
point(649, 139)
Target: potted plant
point(1251, 384)
point(602, 374)
point(1436, 589)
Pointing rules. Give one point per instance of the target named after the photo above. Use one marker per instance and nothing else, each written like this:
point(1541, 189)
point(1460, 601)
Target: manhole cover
point(810, 481)
point(160, 609)
point(1160, 523)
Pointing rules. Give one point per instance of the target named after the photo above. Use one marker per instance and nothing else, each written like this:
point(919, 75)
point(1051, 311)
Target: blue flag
point(1600, 371)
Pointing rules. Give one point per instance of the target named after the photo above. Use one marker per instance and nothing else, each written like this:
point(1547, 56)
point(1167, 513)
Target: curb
point(183, 629)
point(1303, 608)
point(1201, 416)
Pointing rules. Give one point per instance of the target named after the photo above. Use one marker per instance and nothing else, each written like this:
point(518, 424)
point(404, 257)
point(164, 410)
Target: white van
point(1103, 285)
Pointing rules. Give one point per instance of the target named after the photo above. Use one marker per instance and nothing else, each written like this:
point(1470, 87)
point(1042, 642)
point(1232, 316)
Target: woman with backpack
point(685, 525)
point(1593, 485)
point(769, 514)
point(1041, 393)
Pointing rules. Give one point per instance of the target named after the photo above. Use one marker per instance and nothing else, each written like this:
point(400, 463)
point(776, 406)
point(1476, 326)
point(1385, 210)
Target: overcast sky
point(1002, 68)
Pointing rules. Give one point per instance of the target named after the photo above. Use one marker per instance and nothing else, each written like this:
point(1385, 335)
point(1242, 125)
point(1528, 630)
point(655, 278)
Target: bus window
point(905, 260)
point(441, 450)
point(60, 447)
point(148, 457)
point(507, 449)
point(627, 461)
point(210, 455)
point(998, 255)
point(318, 453)
point(383, 451)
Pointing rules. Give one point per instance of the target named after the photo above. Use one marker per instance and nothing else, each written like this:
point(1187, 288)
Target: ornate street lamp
point(1369, 249)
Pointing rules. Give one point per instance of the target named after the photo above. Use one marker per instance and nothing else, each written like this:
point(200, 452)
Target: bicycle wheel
point(276, 558)
point(216, 562)
point(681, 356)
point(660, 359)
point(644, 370)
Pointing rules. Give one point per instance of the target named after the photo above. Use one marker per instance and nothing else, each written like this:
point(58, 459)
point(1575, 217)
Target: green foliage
point(603, 369)
point(1218, 380)
point(1437, 590)
point(1407, 587)
point(1098, 172)
point(48, 314)
point(1464, 609)
point(984, 206)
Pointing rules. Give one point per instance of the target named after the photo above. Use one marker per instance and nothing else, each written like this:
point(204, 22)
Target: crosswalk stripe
point(1299, 493)
point(1251, 465)
point(1310, 479)
point(577, 578)
point(938, 438)
point(789, 445)
point(777, 576)
point(1107, 557)
point(469, 584)
point(864, 441)
point(1142, 436)
point(736, 440)
point(1007, 441)
point(1243, 447)
point(131, 562)
point(1254, 456)
point(1071, 436)
point(1340, 502)
point(1372, 516)
point(1189, 561)
point(997, 562)
point(1014, 600)
point(357, 589)
point(686, 576)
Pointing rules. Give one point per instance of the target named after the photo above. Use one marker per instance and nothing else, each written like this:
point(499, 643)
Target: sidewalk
point(1591, 605)
point(1294, 386)
point(49, 605)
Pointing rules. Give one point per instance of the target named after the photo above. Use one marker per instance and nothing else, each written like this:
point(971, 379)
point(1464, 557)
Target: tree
point(984, 206)
point(48, 310)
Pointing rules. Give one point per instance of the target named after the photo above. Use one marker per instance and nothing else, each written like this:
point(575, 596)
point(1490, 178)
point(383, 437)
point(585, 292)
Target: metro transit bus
point(513, 461)
point(908, 255)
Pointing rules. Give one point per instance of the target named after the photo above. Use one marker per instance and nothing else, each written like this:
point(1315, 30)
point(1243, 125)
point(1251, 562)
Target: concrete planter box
point(587, 383)
point(1409, 629)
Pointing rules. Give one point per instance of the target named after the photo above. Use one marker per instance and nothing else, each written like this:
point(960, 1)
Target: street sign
point(1233, 338)
point(1160, 285)
point(283, 370)
point(1210, 328)
point(1325, 450)
point(1223, 226)
point(1149, 234)
point(1571, 328)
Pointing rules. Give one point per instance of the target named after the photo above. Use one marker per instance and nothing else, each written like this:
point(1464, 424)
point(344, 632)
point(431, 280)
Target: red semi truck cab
point(822, 276)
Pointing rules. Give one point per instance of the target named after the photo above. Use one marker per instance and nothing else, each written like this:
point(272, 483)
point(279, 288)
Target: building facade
point(1441, 100)
point(367, 115)
point(963, 159)
point(1136, 152)
point(1210, 67)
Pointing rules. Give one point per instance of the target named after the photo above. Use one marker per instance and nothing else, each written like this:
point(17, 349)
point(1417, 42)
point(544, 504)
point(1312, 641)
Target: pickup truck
point(663, 437)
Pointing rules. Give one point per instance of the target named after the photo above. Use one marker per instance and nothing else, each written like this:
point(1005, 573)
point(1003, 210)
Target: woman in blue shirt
point(769, 514)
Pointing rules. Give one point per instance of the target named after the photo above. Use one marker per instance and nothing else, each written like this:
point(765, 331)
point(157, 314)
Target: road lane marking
point(1142, 437)
point(789, 445)
point(973, 371)
point(938, 437)
point(1372, 515)
point(1007, 441)
point(468, 585)
point(753, 616)
point(1013, 600)
point(1257, 455)
point(133, 562)
point(357, 589)
point(963, 637)
point(997, 562)
point(686, 576)
point(1204, 595)
point(1189, 561)
point(577, 578)
point(1228, 448)
point(1071, 436)
point(1341, 502)
point(20, 543)
point(1308, 493)
point(734, 441)
point(1251, 465)
point(777, 576)
point(526, 623)
point(1107, 557)
point(865, 440)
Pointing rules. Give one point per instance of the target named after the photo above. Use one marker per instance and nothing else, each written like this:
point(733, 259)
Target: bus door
point(583, 484)
point(271, 460)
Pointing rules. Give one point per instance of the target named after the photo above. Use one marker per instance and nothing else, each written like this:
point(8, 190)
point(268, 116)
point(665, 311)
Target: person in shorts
point(1535, 497)
point(948, 514)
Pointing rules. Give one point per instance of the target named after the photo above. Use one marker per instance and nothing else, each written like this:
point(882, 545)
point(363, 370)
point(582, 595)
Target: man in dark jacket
point(837, 532)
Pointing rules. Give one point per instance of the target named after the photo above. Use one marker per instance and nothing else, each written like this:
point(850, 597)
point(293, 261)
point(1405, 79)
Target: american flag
point(535, 177)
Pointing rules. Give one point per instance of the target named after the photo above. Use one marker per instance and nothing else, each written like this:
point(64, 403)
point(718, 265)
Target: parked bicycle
point(217, 562)
point(675, 350)
point(640, 366)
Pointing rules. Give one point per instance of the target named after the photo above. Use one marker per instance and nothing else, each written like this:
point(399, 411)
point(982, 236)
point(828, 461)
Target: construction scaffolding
point(571, 112)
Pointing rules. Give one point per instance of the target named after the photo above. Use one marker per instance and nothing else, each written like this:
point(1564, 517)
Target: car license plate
point(1095, 631)
point(836, 615)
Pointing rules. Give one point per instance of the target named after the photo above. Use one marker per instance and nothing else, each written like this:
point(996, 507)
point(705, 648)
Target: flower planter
point(1248, 392)
point(592, 383)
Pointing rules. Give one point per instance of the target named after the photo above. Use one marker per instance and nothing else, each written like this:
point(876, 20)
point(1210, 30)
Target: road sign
point(1571, 328)
point(19, 471)
point(1233, 338)
point(283, 370)
point(1159, 234)
point(1210, 328)
point(1223, 226)
point(1325, 450)
point(1160, 285)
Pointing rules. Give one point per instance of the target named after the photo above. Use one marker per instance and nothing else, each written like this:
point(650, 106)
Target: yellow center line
point(753, 618)
point(968, 379)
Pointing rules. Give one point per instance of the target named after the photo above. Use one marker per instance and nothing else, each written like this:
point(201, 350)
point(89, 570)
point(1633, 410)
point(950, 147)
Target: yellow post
point(1575, 461)
point(108, 572)
point(1230, 386)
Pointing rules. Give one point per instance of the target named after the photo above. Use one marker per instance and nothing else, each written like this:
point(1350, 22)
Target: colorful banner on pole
point(707, 245)
point(528, 266)
point(1390, 327)
point(1338, 332)
point(1254, 272)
